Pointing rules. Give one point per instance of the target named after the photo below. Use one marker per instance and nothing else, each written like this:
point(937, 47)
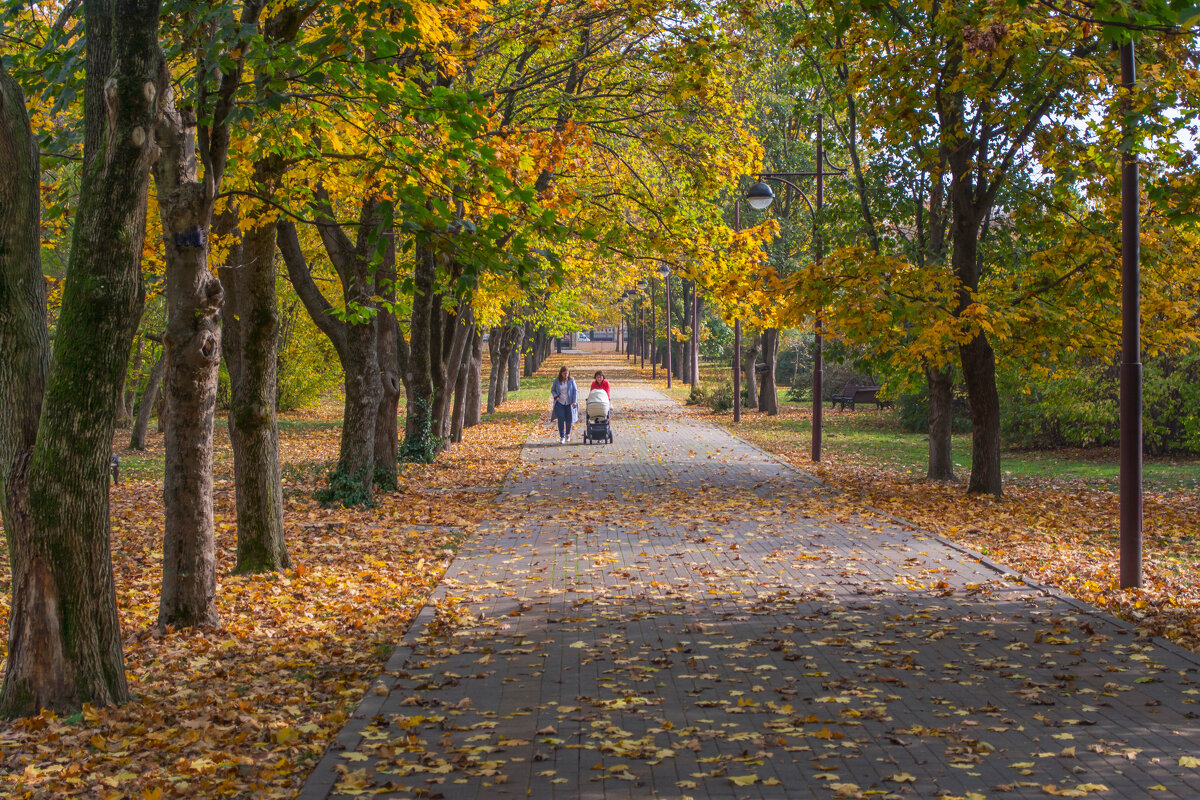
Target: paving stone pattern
point(679, 615)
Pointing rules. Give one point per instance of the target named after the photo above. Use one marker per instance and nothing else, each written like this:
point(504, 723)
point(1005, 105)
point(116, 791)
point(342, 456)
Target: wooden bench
point(852, 394)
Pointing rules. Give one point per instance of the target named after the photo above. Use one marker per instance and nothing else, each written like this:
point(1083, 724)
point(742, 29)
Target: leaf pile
point(247, 708)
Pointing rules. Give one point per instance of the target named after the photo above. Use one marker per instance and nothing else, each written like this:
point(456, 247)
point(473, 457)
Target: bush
point(696, 396)
point(346, 490)
point(720, 399)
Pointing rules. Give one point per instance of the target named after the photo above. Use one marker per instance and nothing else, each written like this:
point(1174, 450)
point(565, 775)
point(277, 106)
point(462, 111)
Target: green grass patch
point(874, 437)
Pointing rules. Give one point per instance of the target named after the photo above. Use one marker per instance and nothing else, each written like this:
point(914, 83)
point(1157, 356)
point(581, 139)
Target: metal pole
point(1131, 345)
point(817, 339)
point(694, 366)
point(653, 333)
point(670, 338)
point(642, 332)
point(737, 334)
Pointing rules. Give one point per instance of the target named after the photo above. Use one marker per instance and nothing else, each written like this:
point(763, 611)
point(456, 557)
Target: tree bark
point(768, 395)
point(418, 424)
point(749, 373)
point(192, 357)
point(387, 435)
point(460, 388)
point(941, 422)
point(64, 636)
point(249, 342)
point(447, 374)
point(514, 359)
point(474, 397)
point(137, 440)
point(977, 358)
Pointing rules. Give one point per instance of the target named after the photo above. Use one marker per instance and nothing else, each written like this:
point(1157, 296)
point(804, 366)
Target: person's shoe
point(562, 440)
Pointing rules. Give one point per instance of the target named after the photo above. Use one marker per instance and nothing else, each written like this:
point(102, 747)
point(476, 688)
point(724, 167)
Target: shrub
point(720, 399)
point(696, 396)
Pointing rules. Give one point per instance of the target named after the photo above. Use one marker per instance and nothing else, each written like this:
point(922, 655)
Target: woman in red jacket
point(600, 382)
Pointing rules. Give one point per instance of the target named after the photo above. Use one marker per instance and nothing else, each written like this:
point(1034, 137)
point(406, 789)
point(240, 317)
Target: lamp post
point(759, 196)
point(737, 332)
point(1131, 345)
point(653, 334)
point(628, 329)
point(666, 276)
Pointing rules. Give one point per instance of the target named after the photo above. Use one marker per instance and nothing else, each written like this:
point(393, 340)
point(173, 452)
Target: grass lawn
point(875, 436)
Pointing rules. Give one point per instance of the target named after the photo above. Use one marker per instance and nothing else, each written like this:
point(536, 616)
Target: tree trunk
point(474, 397)
point(768, 395)
point(494, 366)
point(124, 417)
point(249, 342)
point(64, 636)
point(749, 374)
point(977, 358)
point(979, 375)
point(386, 426)
point(457, 332)
point(514, 359)
point(137, 440)
point(533, 342)
point(941, 423)
point(418, 425)
point(192, 355)
point(460, 389)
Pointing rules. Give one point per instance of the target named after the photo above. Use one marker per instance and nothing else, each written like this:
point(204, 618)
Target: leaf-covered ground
point(246, 709)
point(1056, 531)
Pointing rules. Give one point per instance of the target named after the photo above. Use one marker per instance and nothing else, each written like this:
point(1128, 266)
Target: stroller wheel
point(610, 438)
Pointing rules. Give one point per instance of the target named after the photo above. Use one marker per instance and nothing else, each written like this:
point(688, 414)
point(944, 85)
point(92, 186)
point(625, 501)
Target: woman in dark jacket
point(565, 395)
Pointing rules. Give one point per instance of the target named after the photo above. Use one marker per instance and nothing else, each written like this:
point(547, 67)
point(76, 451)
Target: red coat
point(602, 385)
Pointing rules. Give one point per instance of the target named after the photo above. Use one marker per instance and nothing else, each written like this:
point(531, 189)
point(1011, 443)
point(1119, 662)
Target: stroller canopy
point(597, 403)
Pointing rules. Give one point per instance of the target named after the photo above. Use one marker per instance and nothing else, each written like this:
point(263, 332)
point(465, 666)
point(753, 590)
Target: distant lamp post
point(760, 196)
point(665, 272)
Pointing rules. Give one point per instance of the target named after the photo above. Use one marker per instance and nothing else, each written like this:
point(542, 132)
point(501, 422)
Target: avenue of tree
point(402, 178)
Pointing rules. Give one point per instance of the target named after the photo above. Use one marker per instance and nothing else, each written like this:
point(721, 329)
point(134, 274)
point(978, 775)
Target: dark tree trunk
point(474, 397)
point(249, 341)
point(941, 422)
point(124, 416)
point(35, 625)
point(979, 375)
point(977, 358)
point(192, 355)
point(418, 425)
point(137, 440)
point(514, 359)
point(768, 395)
point(364, 447)
point(749, 374)
point(533, 342)
point(457, 330)
point(493, 365)
point(460, 388)
point(64, 645)
point(386, 425)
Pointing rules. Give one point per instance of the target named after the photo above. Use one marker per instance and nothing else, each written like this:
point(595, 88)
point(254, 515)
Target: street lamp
point(760, 196)
point(665, 272)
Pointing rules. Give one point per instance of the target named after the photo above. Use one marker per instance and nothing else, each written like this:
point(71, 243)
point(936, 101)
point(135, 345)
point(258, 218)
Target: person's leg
point(559, 408)
point(568, 418)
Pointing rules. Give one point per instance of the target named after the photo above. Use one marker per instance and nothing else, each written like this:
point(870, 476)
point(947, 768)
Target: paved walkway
point(674, 616)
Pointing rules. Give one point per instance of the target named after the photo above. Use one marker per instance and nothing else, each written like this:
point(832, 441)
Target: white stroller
point(598, 427)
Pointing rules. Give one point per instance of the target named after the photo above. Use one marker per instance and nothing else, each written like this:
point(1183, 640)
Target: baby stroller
point(599, 415)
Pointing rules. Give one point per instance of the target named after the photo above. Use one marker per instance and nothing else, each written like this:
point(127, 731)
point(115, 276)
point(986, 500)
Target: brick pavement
point(679, 615)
